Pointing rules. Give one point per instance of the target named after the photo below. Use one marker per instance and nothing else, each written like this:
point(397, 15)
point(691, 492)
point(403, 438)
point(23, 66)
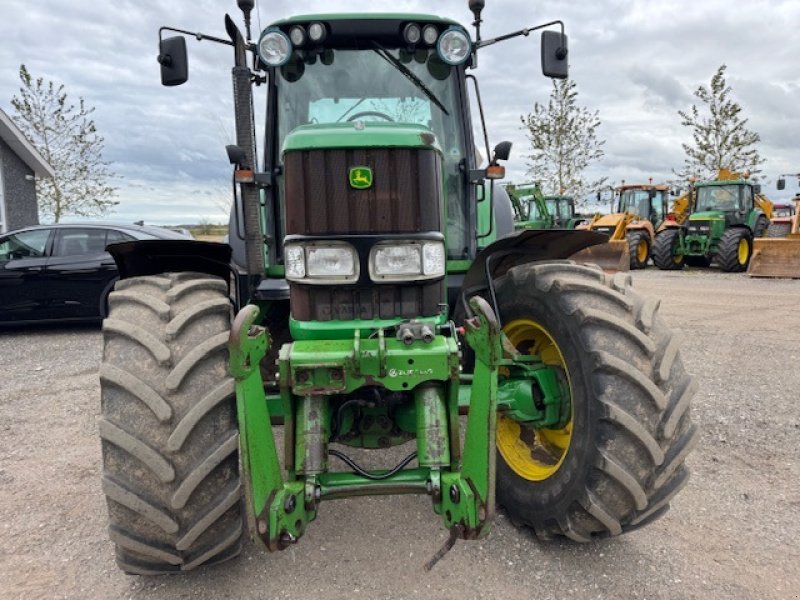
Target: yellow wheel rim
point(533, 454)
point(641, 251)
point(744, 251)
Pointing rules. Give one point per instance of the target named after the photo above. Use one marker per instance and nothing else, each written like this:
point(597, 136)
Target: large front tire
point(169, 432)
point(620, 460)
point(735, 250)
point(638, 248)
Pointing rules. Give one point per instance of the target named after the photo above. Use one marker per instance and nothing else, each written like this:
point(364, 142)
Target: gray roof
point(12, 136)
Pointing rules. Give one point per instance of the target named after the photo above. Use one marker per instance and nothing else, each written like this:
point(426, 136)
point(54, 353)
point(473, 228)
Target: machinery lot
point(731, 533)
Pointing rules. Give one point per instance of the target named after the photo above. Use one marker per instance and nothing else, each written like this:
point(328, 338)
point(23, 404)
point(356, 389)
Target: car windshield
point(382, 85)
point(718, 197)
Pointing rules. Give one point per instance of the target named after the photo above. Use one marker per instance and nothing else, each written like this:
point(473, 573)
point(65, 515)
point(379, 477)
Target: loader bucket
point(776, 257)
point(612, 256)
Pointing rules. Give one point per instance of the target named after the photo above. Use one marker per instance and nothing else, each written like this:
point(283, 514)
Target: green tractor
point(729, 212)
point(532, 207)
point(564, 213)
point(378, 312)
point(543, 212)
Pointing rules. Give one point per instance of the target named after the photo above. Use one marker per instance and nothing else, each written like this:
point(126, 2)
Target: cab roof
point(405, 17)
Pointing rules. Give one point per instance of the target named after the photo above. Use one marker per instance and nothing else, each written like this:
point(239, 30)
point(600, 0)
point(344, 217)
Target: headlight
point(429, 34)
point(407, 261)
point(274, 48)
point(298, 35)
point(412, 33)
point(317, 32)
point(321, 263)
point(454, 46)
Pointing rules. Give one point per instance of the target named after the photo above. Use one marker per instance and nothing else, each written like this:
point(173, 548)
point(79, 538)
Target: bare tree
point(720, 138)
point(564, 143)
point(66, 136)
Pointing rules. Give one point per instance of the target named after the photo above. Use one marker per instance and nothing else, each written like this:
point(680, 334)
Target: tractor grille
point(323, 303)
point(405, 197)
point(699, 227)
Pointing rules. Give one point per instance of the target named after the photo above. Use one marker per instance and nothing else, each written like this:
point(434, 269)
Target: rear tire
point(639, 248)
point(735, 250)
point(630, 431)
point(664, 256)
point(169, 432)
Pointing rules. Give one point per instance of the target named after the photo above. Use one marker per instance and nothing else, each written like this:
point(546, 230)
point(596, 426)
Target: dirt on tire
point(169, 432)
point(631, 427)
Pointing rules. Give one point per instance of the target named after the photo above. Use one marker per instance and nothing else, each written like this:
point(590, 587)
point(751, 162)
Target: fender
point(153, 257)
point(642, 225)
point(523, 247)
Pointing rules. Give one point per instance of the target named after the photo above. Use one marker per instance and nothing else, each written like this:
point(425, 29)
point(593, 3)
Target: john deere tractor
point(728, 213)
point(563, 211)
point(530, 203)
point(543, 212)
point(378, 311)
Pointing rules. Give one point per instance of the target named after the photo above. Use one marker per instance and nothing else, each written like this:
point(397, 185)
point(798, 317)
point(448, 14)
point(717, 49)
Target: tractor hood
point(361, 135)
point(708, 215)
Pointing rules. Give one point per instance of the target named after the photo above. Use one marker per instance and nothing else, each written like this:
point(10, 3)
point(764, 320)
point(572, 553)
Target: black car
point(63, 272)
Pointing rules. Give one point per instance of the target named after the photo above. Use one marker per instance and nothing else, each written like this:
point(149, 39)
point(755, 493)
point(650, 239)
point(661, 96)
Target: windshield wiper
point(384, 53)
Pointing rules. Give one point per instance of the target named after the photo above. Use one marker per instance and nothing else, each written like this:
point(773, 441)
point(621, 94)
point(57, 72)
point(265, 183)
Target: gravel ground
point(732, 533)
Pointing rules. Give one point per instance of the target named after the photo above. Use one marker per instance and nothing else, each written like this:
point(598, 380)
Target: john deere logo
point(360, 178)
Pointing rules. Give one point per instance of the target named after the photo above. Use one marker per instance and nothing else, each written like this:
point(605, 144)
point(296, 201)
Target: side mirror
point(501, 152)
point(554, 55)
point(173, 61)
point(236, 155)
point(598, 197)
point(757, 188)
point(781, 183)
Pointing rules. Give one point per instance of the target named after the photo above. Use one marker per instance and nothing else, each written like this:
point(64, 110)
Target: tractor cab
point(367, 82)
point(562, 208)
point(730, 201)
point(648, 203)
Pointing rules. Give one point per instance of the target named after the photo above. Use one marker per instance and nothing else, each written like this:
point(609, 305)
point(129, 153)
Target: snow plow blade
point(613, 256)
point(776, 257)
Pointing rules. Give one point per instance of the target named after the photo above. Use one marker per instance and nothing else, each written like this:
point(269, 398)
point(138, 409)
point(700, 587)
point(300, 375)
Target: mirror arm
point(198, 36)
point(525, 32)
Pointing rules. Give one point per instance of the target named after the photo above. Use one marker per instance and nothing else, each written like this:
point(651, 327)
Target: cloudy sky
point(637, 62)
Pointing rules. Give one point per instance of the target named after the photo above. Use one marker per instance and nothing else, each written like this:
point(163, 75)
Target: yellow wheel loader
point(779, 256)
point(638, 211)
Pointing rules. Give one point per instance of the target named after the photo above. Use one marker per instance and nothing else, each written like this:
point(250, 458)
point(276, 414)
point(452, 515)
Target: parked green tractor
point(543, 212)
point(531, 207)
point(728, 213)
point(379, 313)
point(564, 213)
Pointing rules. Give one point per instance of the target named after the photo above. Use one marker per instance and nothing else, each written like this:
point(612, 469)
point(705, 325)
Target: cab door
point(23, 292)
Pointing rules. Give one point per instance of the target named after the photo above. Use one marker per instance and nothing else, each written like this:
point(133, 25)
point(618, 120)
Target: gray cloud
point(636, 62)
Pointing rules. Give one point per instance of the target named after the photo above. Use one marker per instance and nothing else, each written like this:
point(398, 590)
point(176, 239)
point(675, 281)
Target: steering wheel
point(370, 113)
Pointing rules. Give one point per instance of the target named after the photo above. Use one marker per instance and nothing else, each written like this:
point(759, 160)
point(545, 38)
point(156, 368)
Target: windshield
point(383, 85)
point(533, 208)
point(636, 202)
point(718, 197)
